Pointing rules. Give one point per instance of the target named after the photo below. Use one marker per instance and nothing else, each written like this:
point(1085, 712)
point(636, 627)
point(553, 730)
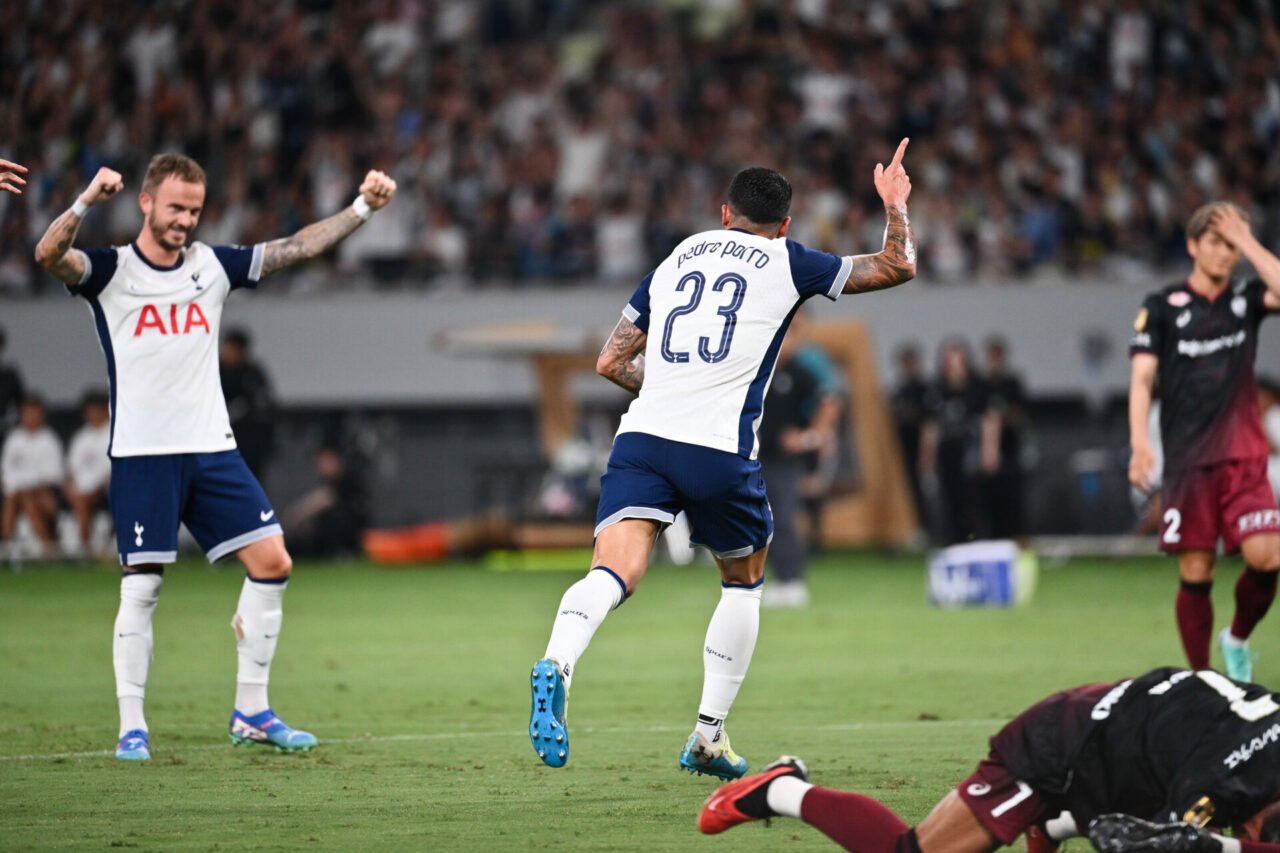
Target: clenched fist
point(377, 189)
point(104, 185)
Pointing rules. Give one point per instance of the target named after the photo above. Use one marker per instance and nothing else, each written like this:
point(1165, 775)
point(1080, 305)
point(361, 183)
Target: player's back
point(716, 311)
point(1174, 736)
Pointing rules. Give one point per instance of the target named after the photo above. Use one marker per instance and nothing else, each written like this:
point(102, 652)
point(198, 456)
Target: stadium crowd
point(558, 140)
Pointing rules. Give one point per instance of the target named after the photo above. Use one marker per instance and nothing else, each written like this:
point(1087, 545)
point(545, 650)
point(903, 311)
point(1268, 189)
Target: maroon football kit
point(1215, 469)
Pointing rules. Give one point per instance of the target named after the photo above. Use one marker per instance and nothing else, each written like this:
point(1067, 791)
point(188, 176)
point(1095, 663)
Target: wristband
point(79, 208)
point(362, 208)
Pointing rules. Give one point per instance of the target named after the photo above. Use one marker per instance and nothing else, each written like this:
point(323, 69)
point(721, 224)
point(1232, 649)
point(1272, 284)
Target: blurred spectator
point(802, 415)
point(249, 401)
point(908, 403)
point(1054, 136)
point(10, 391)
point(88, 466)
point(329, 520)
point(1004, 426)
point(31, 468)
point(950, 439)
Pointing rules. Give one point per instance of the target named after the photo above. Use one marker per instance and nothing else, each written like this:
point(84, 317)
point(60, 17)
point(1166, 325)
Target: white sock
point(785, 795)
point(132, 644)
point(257, 622)
point(582, 609)
point(1230, 639)
point(1062, 827)
point(726, 654)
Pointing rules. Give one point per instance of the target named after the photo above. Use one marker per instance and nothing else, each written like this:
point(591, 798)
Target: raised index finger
point(6, 164)
point(897, 155)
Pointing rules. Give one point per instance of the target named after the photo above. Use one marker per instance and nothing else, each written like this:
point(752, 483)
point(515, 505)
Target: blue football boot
point(712, 759)
point(547, 730)
point(134, 746)
point(269, 730)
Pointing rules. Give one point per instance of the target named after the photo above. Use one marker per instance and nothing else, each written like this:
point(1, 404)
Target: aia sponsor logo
point(175, 321)
point(1257, 522)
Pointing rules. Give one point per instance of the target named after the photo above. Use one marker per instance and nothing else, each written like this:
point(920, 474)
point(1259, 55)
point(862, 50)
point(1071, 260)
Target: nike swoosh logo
point(270, 636)
point(266, 516)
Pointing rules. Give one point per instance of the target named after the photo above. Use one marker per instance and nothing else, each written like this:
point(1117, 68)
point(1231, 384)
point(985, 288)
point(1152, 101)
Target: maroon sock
point(1195, 621)
point(1254, 593)
point(853, 821)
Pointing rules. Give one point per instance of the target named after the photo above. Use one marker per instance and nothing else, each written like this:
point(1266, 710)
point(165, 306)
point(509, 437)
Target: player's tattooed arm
point(376, 192)
point(893, 265)
point(316, 239)
point(54, 252)
point(621, 360)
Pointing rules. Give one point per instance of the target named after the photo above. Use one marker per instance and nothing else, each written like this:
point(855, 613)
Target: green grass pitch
point(415, 683)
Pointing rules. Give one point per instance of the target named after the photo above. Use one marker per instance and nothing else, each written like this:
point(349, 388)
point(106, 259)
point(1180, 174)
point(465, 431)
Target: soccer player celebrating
point(1197, 340)
point(698, 343)
point(1171, 745)
point(157, 305)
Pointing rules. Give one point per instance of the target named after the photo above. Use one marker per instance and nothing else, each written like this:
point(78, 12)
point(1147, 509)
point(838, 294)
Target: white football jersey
point(158, 327)
point(715, 312)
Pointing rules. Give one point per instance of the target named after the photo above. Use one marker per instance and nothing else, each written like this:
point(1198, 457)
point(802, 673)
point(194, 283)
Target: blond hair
point(1199, 221)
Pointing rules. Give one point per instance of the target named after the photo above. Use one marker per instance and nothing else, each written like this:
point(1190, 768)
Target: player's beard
point(160, 233)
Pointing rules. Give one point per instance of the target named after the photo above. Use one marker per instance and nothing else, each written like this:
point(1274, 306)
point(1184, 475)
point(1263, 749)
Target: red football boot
point(747, 799)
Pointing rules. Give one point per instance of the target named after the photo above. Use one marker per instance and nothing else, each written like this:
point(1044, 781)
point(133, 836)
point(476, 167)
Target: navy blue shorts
point(655, 478)
point(214, 494)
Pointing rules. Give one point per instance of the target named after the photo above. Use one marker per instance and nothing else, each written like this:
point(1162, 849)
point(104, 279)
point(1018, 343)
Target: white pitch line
point(430, 736)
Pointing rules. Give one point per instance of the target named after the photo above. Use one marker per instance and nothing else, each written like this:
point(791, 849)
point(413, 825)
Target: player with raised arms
point(1159, 764)
point(156, 305)
point(697, 344)
point(1197, 341)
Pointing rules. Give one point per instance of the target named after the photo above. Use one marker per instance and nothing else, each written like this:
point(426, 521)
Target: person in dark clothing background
point(804, 414)
point(11, 391)
point(908, 402)
point(329, 520)
point(951, 439)
point(249, 400)
point(1002, 444)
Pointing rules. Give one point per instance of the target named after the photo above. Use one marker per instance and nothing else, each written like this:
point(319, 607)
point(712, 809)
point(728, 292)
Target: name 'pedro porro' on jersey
point(715, 312)
point(158, 327)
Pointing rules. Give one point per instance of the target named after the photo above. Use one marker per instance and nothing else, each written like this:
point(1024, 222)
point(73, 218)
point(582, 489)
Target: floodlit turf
point(415, 683)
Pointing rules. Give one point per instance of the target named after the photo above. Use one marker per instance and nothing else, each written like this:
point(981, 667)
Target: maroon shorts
point(1002, 802)
point(1232, 500)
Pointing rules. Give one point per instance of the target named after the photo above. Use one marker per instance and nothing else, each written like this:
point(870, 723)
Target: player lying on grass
point(698, 343)
point(157, 305)
point(1175, 745)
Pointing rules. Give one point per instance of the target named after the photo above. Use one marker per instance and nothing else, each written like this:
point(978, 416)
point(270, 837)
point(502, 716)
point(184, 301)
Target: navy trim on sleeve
point(243, 264)
point(814, 272)
point(99, 268)
point(637, 309)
